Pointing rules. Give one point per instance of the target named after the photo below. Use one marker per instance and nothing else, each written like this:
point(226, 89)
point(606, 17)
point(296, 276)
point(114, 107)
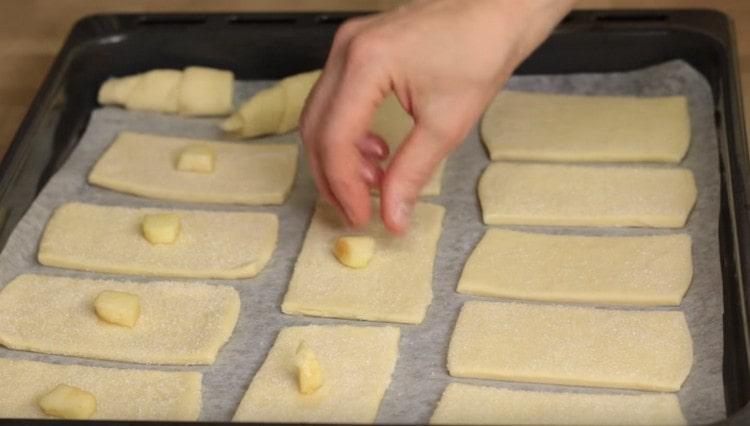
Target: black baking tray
point(273, 45)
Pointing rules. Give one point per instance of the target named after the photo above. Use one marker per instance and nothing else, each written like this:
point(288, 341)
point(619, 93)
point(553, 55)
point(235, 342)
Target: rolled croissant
point(196, 91)
point(274, 110)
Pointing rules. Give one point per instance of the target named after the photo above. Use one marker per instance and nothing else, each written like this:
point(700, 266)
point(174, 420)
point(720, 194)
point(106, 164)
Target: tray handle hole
point(632, 17)
point(261, 20)
point(171, 20)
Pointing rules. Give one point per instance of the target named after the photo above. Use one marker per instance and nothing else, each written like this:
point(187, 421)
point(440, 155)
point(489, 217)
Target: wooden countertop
point(32, 31)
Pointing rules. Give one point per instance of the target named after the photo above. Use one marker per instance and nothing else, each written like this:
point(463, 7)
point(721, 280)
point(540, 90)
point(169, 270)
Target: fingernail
point(402, 213)
point(373, 146)
point(378, 150)
point(369, 176)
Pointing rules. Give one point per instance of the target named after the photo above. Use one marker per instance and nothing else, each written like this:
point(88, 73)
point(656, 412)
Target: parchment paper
point(420, 374)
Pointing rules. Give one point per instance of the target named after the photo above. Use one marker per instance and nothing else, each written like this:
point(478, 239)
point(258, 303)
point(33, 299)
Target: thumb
point(408, 172)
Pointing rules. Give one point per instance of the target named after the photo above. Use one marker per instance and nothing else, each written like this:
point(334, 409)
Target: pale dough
point(115, 91)
point(357, 364)
point(392, 123)
point(557, 195)
point(122, 394)
point(274, 110)
point(205, 92)
point(211, 244)
point(552, 127)
point(642, 270)
point(180, 323)
point(395, 286)
point(155, 90)
point(196, 91)
point(296, 89)
point(567, 345)
point(467, 404)
point(245, 173)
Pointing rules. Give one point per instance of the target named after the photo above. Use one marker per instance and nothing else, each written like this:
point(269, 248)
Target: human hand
point(445, 60)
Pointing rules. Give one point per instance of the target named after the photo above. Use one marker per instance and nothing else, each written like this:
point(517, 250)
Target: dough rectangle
point(357, 364)
point(647, 350)
point(396, 286)
point(642, 270)
point(555, 127)
point(557, 195)
point(211, 244)
point(179, 323)
point(245, 173)
point(120, 394)
point(477, 405)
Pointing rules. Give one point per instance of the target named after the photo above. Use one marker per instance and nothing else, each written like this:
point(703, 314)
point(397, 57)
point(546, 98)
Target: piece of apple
point(161, 228)
point(118, 307)
point(68, 402)
point(309, 373)
point(354, 251)
point(197, 158)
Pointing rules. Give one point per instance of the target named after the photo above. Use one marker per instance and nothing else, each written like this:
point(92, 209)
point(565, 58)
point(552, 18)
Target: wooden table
point(32, 31)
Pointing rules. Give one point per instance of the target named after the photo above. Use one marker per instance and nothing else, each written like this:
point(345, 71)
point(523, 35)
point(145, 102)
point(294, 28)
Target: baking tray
point(269, 46)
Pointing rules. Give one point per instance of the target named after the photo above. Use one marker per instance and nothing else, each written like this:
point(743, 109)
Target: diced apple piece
point(68, 402)
point(118, 307)
point(196, 158)
point(354, 251)
point(309, 374)
point(161, 228)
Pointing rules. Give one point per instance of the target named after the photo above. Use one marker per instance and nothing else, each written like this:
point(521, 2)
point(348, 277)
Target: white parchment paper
point(420, 374)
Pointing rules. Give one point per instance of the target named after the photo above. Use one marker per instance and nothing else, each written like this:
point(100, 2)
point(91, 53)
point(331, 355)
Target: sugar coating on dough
point(641, 270)
point(357, 364)
point(554, 127)
point(212, 244)
point(156, 90)
point(244, 173)
point(121, 394)
point(205, 92)
point(395, 286)
point(392, 123)
point(179, 323)
point(467, 404)
point(557, 195)
point(567, 345)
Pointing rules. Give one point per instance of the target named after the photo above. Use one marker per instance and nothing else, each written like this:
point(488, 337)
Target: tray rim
point(105, 28)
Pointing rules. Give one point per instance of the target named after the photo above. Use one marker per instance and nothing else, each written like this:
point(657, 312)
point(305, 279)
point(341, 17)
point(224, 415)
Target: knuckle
point(448, 133)
point(366, 48)
point(347, 28)
point(409, 179)
point(346, 31)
